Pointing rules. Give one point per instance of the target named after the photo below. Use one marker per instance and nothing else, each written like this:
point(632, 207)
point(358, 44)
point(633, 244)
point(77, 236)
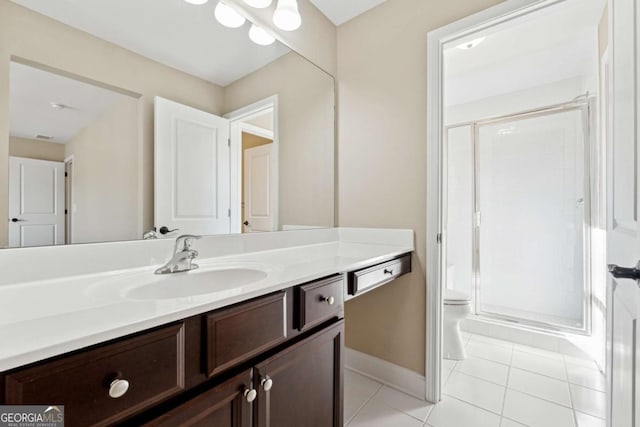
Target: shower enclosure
point(517, 214)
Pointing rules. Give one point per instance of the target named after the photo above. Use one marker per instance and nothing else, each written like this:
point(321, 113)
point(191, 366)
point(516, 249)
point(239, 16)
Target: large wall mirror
point(123, 120)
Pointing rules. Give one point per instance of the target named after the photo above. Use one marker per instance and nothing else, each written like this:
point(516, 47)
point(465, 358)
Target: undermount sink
point(192, 283)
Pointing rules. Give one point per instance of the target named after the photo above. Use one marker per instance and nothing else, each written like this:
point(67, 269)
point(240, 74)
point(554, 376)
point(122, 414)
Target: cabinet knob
point(118, 388)
point(250, 394)
point(328, 300)
point(390, 272)
point(266, 383)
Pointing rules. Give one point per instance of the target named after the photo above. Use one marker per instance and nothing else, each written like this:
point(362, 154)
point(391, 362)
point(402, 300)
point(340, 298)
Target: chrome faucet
point(182, 257)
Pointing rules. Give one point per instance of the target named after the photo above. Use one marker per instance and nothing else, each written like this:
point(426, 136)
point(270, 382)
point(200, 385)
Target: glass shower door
point(530, 203)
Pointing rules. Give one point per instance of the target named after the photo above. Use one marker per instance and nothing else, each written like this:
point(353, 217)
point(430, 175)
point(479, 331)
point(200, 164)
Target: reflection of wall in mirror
point(105, 191)
point(306, 127)
point(34, 149)
point(34, 37)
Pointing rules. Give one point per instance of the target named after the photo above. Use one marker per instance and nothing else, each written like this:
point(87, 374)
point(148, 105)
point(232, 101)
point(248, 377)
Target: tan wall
point(35, 149)
point(382, 78)
point(306, 124)
point(315, 39)
point(105, 176)
point(31, 36)
point(249, 141)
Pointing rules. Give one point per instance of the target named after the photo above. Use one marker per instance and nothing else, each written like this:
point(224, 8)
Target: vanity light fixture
point(286, 17)
point(471, 43)
point(258, 4)
point(228, 17)
point(259, 36)
point(197, 2)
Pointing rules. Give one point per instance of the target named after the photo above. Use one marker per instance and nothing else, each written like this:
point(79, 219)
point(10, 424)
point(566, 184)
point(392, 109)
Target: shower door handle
point(625, 272)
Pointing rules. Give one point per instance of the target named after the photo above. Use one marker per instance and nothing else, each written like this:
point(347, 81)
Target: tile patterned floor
point(500, 384)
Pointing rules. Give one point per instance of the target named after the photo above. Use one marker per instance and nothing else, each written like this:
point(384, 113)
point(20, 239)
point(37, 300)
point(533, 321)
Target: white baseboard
point(403, 379)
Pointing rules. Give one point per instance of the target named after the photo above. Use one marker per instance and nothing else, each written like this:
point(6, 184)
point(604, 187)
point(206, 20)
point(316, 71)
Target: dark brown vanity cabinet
point(141, 371)
point(305, 383)
point(272, 361)
point(247, 365)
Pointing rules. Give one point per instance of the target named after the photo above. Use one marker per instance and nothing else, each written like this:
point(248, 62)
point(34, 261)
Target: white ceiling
point(31, 92)
point(341, 11)
point(555, 44)
point(183, 36)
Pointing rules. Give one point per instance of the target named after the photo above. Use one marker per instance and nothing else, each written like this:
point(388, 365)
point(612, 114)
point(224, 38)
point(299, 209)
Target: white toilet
point(457, 306)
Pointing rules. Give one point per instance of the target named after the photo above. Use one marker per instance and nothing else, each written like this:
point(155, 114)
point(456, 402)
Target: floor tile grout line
point(365, 403)
point(544, 375)
point(471, 404)
point(591, 415)
point(542, 398)
point(483, 379)
point(573, 407)
point(506, 387)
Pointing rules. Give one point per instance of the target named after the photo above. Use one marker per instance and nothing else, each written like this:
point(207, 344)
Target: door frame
point(436, 39)
point(69, 218)
point(236, 127)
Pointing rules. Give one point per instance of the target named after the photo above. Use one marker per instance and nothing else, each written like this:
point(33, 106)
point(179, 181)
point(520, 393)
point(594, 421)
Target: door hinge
point(478, 219)
point(229, 142)
point(65, 212)
point(439, 238)
point(66, 174)
point(229, 213)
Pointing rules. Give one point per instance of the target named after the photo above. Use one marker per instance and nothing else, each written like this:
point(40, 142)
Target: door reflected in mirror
point(121, 128)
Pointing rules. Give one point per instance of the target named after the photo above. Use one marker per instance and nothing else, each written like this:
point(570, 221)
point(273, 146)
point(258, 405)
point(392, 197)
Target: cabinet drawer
point(238, 333)
point(152, 363)
point(223, 405)
point(369, 278)
point(319, 301)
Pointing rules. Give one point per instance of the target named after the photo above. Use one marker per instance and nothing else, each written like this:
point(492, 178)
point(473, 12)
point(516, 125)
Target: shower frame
point(584, 105)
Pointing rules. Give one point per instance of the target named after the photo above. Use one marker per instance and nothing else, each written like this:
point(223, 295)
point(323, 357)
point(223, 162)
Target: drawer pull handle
point(328, 300)
point(118, 388)
point(266, 383)
point(250, 394)
point(390, 272)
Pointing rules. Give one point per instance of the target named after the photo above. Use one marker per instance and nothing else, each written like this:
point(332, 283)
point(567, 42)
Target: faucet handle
point(185, 241)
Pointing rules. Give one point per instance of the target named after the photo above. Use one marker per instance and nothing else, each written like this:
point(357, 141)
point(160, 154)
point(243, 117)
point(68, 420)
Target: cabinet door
point(306, 381)
point(225, 405)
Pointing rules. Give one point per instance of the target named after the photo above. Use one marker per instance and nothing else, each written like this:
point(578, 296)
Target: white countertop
point(45, 318)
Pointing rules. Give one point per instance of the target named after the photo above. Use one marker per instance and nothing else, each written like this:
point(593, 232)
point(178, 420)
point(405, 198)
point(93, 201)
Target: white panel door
point(623, 233)
point(36, 203)
point(191, 170)
point(259, 181)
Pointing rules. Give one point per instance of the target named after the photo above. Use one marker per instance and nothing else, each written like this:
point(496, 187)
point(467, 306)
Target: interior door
point(623, 235)
point(36, 203)
point(258, 181)
point(191, 170)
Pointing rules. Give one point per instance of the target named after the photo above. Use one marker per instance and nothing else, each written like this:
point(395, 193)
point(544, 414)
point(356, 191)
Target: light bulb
point(258, 4)
point(259, 36)
point(228, 17)
point(286, 17)
point(198, 2)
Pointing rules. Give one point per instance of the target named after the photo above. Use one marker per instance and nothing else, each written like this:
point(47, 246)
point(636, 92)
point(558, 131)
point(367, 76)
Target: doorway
point(506, 102)
point(254, 167)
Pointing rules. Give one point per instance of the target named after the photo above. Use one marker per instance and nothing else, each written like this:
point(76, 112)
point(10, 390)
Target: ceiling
point(33, 90)
point(557, 43)
point(172, 32)
point(341, 11)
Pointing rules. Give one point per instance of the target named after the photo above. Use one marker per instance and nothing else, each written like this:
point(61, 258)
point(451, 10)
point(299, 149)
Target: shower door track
point(583, 105)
